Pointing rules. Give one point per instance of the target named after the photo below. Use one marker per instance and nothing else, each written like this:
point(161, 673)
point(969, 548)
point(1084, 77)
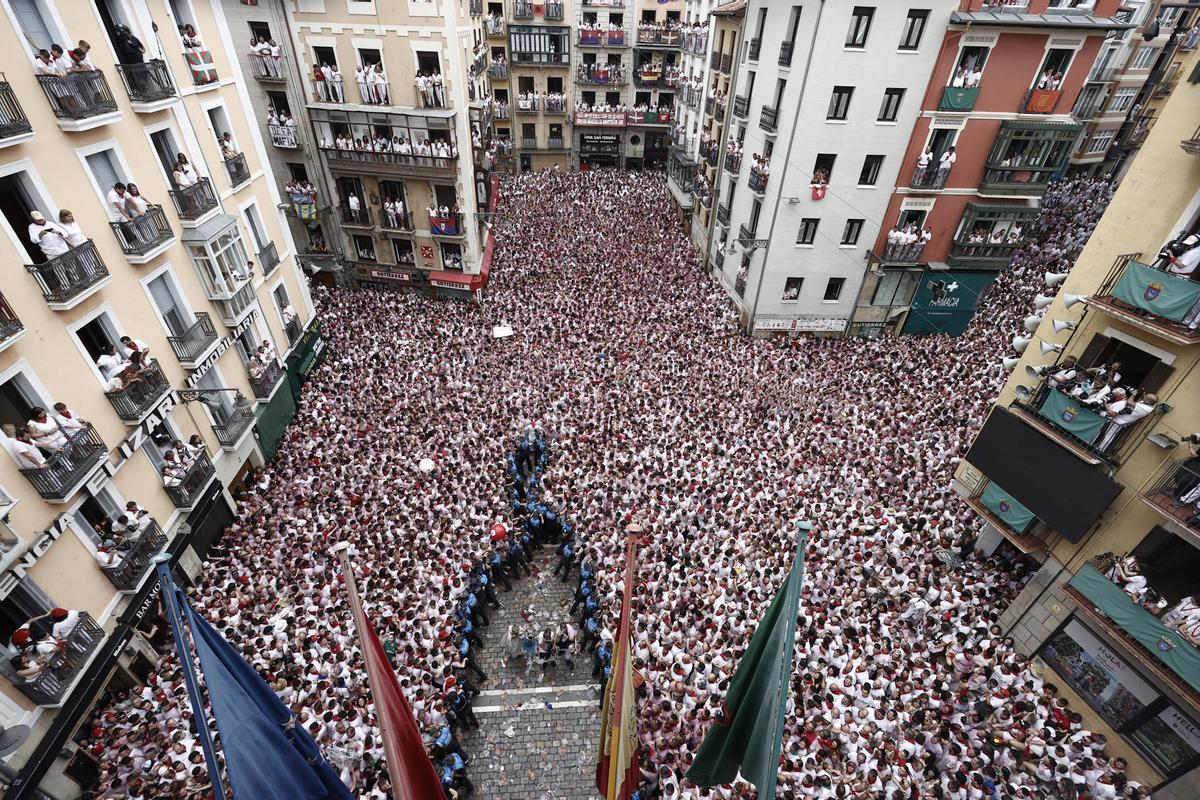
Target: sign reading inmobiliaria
point(607, 119)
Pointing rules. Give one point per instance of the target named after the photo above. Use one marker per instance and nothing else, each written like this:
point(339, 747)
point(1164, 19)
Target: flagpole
point(767, 792)
point(167, 592)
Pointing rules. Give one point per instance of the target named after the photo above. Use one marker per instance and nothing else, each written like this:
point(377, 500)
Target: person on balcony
point(945, 164)
point(337, 89)
point(44, 431)
point(377, 85)
point(29, 456)
point(172, 475)
point(50, 237)
point(200, 60)
point(74, 234)
point(266, 353)
point(138, 208)
point(353, 207)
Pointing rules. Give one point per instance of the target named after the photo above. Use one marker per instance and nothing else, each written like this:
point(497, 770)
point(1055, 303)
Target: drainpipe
point(787, 158)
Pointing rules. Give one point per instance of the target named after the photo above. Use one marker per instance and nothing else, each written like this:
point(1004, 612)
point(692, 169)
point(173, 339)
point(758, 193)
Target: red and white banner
point(607, 119)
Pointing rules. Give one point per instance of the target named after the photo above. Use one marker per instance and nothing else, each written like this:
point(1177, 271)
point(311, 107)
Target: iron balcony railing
point(49, 686)
point(147, 82)
point(187, 491)
point(657, 37)
point(903, 253)
point(613, 76)
point(450, 224)
point(396, 159)
point(268, 68)
point(392, 220)
point(555, 105)
point(10, 323)
point(523, 11)
point(60, 476)
point(723, 214)
point(1133, 297)
point(286, 137)
point(476, 8)
point(359, 218)
point(602, 38)
point(293, 331)
point(13, 121)
point(726, 63)
point(1040, 101)
point(714, 61)
point(710, 106)
point(267, 380)
point(746, 232)
point(1175, 493)
point(1192, 144)
point(79, 95)
point(554, 11)
point(135, 559)
point(268, 258)
point(755, 46)
point(64, 277)
point(718, 257)
point(195, 340)
point(329, 91)
point(768, 118)
point(929, 177)
point(555, 143)
point(1028, 539)
point(785, 54)
point(733, 163)
point(711, 155)
point(231, 430)
point(528, 143)
point(757, 182)
point(140, 235)
point(529, 105)
point(193, 202)
point(495, 27)
point(741, 107)
point(140, 394)
point(605, 3)
point(238, 172)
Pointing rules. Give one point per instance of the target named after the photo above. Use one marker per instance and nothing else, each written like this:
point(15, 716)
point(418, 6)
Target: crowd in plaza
point(628, 395)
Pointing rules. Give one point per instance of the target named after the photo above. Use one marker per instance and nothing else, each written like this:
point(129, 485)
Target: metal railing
point(147, 82)
point(79, 95)
point(929, 177)
point(13, 121)
point(476, 8)
point(238, 172)
point(268, 258)
point(140, 235)
point(397, 222)
point(495, 27)
point(450, 224)
point(195, 340)
point(614, 76)
point(785, 53)
point(329, 91)
point(602, 38)
point(293, 331)
point(185, 493)
point(65, 469)
point(1016, 180)
point(555, 143)
point(757, 182)
point(284, 136)
point(710, 106)
point(139, 395)
point(741, 106)
point(232, 429)
point(360, 217)
point(49, 686)
point(755, 46)
point(267, 380)
point(528, 143)
point(1179, 331)
point(733, 163)
point(523, 10)
point(193, 202)
point(903, 252)
point(135, 559)
point(605, 3)
point(1030, 539)
point(1040, 101)
point(1192, 145)
point(718, 257)
point(554, 11)
point(10, 323)
point(723, 214)
point(498, 70)
point(1111, 443)
point(268, 68)
point(529, 105)
point(555, 105)
point(653, 36)
point(398, 159)
point(64, 277)
point(1174, 491)
point(767, 119)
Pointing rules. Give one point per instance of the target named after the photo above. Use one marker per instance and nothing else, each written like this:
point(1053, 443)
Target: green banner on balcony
point(272, 418)
point(1004, 506)
point(1072, 416)
point(958, 99)
point(1163, 643)
point(1156, 291)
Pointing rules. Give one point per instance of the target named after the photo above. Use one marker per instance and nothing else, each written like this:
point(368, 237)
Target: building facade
point(995, 127)
point(819, 134)
point(1081, 494)
point(186, 322)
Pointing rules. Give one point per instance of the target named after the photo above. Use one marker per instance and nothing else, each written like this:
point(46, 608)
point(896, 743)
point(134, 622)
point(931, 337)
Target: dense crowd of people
point(635, 398)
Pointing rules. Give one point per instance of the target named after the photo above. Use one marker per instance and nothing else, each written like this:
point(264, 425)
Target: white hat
point(36, 216)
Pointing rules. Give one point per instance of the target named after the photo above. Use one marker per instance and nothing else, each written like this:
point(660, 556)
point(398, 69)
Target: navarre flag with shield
point(617, 773)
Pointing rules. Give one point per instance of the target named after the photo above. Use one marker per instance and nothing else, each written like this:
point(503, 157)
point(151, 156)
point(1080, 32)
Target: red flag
point(409, 767)
point(617, 773)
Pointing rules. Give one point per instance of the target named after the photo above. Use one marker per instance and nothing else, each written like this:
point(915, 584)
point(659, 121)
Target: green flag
point(750, 733)
point(1071, 415)
point(1004, 506)
point(1156, 291)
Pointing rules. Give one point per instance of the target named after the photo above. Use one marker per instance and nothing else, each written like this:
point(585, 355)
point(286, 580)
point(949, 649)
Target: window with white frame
point(170, 304)
point(255, 224)
point(37, 23)
point(1144, 58)
point(222, 263)
point(1101, 141)
point(1123, 98)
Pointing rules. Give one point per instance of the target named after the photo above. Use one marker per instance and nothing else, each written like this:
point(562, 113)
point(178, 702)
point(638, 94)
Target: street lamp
point(240, 402)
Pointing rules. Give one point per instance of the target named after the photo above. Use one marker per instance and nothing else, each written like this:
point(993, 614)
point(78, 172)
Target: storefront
point(1167, 737)
point(599, 149)
point(945, 302)
point(390, 279)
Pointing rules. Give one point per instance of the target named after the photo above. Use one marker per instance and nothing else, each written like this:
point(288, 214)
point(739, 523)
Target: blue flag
point(268, 755)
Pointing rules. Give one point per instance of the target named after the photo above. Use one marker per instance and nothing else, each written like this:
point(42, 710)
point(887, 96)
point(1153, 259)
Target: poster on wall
point(1101, 677)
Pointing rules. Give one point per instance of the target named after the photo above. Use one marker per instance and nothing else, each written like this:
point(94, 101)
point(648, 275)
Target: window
point(365, 247)
point(808, 231)
point(539, 44)
point(860, 25)
point(914, 28)
point(168, 301)
point(755, 211)
point(791, 290)
point(852, 231)
point(427, 61)
point(969, 71)
point(1123, 98)
point(839, 103)
point(1144, 58)
point(402, 249)
point(895, 288)
point(1054, 68)
point(870, 170)
point(106, 172)
point(823, 166)
point(19, 195)
point(37, 22)
point(891, 105)
point(1101, 141)
point(833, 289)
point(221, 263)
point(219, 122)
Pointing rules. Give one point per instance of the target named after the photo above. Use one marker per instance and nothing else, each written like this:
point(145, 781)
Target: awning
point(683, 198)
point(210, 229)
point(1083, 22)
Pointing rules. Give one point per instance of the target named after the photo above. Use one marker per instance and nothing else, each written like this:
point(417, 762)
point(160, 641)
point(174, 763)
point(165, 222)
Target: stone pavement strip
point(539, 735)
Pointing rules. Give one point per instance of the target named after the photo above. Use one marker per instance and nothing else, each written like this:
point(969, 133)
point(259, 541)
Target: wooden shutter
point(1091, 354)
point(1156, 377)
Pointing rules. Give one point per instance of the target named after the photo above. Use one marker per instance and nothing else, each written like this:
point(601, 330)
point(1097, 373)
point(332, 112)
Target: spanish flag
point(617, 773)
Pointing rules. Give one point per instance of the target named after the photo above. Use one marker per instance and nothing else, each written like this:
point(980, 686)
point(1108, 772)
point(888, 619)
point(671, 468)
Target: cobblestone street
point(539, 734)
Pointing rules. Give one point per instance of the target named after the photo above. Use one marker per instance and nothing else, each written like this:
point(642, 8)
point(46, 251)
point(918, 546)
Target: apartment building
point(1079, 494)
point(995, 127)
point(395, 111)
point(156, 331)
point(826, 96)
point(539, 77)
point(1132, 66)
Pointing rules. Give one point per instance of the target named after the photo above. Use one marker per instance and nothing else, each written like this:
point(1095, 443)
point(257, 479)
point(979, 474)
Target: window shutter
point(1091, 353)
point(1157, 377)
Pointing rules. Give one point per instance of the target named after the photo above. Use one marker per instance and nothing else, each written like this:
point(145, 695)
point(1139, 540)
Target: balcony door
point(219, 404)
point(18, 198)
point(171, 308)
point(37, 23)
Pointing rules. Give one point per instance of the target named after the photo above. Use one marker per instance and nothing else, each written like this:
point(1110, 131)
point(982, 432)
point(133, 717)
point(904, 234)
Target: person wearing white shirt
point(49, 236)
point(74, 234)
point(116, 203)
point(109, 363)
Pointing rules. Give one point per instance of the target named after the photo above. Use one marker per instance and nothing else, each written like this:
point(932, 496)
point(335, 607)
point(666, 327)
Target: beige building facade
point(200, 273)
